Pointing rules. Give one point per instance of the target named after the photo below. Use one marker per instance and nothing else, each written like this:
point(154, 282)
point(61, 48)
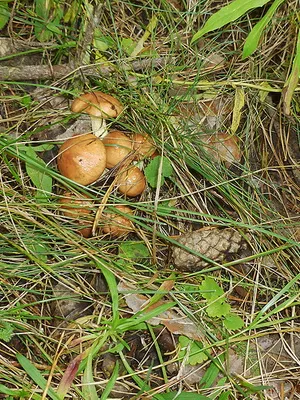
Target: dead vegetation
point(106, 317)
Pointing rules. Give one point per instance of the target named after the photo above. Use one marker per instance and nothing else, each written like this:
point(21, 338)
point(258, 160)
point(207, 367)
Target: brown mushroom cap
point(82, 159)
point(143, 145)
point(97, 104)
point(116, 224)
point(118, 146)
point(131, 181)
point(77, 208)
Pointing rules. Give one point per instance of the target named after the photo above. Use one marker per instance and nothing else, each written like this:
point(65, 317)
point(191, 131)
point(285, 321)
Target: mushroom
point(131, 181)
point(82, 158)
point(143, 145)
point(117, 224)
point(100, 106)
point(77, 208)
point(118, 146)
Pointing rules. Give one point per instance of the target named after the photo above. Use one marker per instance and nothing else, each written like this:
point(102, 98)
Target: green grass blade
point(292, 80)
point(227, 14)
point(112, 285)
point(252, 40)
point(36, 376)
point(89, 391)
point(111, 382)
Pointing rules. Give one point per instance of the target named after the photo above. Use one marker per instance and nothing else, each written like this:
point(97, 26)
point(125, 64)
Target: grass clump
point(66, 327)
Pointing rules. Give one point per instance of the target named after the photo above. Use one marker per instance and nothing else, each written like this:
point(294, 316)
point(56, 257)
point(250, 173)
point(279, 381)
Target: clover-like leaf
point(157, 165)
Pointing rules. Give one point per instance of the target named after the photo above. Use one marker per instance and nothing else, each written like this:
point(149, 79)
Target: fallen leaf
point(171, 319)
point(239, 102)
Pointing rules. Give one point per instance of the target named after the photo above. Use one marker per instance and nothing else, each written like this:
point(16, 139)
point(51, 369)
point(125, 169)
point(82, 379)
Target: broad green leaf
point(292, 81)
point(42, 10)
point(4, 14)
point(158, 165)
point(36, 376)
point(128, 45)
point(133, 250)
point(101, 42)
point(39, 178)
point(233, 322)
point(193, 350)
point(252, 40)
point(210, 290)
point(227, 14)
point(218, 308)
point(239, 102)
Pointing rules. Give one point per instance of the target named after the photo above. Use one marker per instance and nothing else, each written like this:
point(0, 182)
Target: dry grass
point(44, 261)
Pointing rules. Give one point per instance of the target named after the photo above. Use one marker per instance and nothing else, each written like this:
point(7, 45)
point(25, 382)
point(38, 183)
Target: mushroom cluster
point(84, 158)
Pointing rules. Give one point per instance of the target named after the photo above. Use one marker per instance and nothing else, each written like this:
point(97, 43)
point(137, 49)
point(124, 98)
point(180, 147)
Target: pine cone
point(215, 244)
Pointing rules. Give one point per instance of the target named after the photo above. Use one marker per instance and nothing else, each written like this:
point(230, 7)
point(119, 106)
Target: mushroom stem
point(99, 127)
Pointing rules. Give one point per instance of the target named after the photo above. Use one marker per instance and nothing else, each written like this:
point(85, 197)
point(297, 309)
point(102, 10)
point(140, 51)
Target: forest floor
point(188, 289)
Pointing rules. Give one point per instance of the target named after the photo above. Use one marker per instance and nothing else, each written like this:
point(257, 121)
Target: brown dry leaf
point(209, 113)
point(171, 319)
point(222, 147)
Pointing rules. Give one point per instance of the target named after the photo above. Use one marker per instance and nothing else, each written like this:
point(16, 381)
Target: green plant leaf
point(252, 40)
point(157, 165)
point(182, 396)
point(292, 81)
point(39, 178)
point(227, 14)
point(88, 389)
point(14, 392)
point(233, 322)
point(4, 14)
point(42, 9)
point(218, 308)
point(210, 290)
point(110, 384)
point(128, 45)
point(239, 102)
point(191, 349)
point(6, 331)
point(133, 250)
point(36, 376)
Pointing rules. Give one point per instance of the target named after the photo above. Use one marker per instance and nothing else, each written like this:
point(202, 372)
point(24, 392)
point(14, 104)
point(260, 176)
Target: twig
point(54, 72)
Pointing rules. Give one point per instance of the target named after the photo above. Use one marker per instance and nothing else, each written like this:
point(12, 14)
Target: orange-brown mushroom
point(77, 208)
point(131, 181)
point(99, 106)
point(143, 145)
point(118, 146)
point(117, 224)
point(82, 158)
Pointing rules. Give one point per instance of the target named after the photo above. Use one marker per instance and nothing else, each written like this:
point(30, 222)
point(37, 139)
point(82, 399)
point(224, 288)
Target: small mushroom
point(222, 147)
point(117, 224)
point(82, 158)
point(143, 145)
point(118, 146)
point(99, 106)
point(78, 209)
point(131, 181)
